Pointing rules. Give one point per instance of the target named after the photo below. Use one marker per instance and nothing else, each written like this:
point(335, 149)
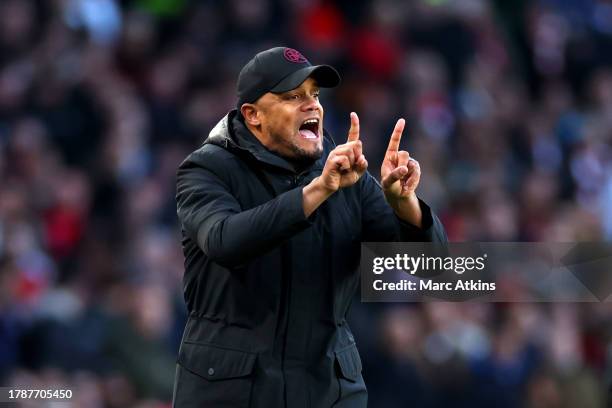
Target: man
point(273, 215)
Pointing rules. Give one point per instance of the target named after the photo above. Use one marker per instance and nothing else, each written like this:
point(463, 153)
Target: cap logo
point(295, 56)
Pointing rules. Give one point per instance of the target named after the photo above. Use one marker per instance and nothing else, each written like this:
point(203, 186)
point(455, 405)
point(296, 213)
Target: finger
point(353, 133)
point(403, 158)
point(346, 150)
point(395, 175)
point(411, 182)
point(341, 163)
point(361, 160)
point(413, 165)
point(396, 136)
point(361, 164)
point(357, 148)
point(356, 145)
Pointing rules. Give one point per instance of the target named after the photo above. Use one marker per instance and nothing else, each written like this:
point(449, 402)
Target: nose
point(311, 103)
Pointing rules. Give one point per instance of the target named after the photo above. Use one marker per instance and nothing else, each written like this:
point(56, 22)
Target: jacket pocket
point(213, 376)
point(349, 363)
point(352, 389)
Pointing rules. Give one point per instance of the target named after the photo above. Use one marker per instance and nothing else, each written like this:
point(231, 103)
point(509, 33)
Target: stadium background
point(509, 111)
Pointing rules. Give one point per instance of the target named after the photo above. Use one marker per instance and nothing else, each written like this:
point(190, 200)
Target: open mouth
point(310, 129)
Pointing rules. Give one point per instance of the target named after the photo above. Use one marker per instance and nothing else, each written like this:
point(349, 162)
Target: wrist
point(313, 195)
point(397, 201)
point(319, 186)
point(407, 208)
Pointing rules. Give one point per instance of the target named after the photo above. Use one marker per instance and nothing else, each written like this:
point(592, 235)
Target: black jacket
point(268, 289)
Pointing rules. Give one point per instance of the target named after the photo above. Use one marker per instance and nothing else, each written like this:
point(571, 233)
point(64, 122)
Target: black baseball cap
point(279, 70)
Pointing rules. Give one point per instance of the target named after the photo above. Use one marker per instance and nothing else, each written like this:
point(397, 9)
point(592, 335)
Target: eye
point(315, 95)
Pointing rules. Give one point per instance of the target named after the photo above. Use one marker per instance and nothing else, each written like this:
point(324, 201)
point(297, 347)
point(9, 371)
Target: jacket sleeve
point(210, 215)
point(380, 224)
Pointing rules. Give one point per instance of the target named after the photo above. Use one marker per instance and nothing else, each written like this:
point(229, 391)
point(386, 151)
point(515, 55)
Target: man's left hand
point(400, 176)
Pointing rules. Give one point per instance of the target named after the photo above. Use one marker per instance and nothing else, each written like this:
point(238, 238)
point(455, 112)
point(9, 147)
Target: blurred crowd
point(509, 112)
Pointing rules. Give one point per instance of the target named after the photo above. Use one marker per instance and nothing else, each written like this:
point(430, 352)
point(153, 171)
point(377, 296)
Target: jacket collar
point(232, 134)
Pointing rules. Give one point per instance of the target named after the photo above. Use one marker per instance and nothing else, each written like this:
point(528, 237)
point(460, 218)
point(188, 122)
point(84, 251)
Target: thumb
point(395, 175)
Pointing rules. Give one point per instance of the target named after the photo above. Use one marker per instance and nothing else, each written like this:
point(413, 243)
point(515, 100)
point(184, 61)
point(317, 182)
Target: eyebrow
point(314, 89)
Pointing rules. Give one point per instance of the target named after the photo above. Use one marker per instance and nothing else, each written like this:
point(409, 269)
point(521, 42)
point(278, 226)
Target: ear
point(250, 113)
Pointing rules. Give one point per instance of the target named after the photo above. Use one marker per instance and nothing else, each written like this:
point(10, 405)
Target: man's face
point(292, 122)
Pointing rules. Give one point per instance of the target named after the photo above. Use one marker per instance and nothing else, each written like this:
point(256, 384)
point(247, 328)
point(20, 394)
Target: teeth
point(309, 121)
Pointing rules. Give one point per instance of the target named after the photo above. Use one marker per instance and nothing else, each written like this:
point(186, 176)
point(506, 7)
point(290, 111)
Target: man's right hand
point(346, 163)
point(344, 167)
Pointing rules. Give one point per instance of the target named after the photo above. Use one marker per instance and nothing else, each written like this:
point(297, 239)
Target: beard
point(296, 154)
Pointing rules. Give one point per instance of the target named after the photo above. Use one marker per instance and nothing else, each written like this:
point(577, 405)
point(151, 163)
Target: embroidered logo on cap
point(292, 55)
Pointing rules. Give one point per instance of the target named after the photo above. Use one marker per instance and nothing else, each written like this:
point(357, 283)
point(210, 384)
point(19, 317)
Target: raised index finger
point(353, 133)
point(396, 136)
